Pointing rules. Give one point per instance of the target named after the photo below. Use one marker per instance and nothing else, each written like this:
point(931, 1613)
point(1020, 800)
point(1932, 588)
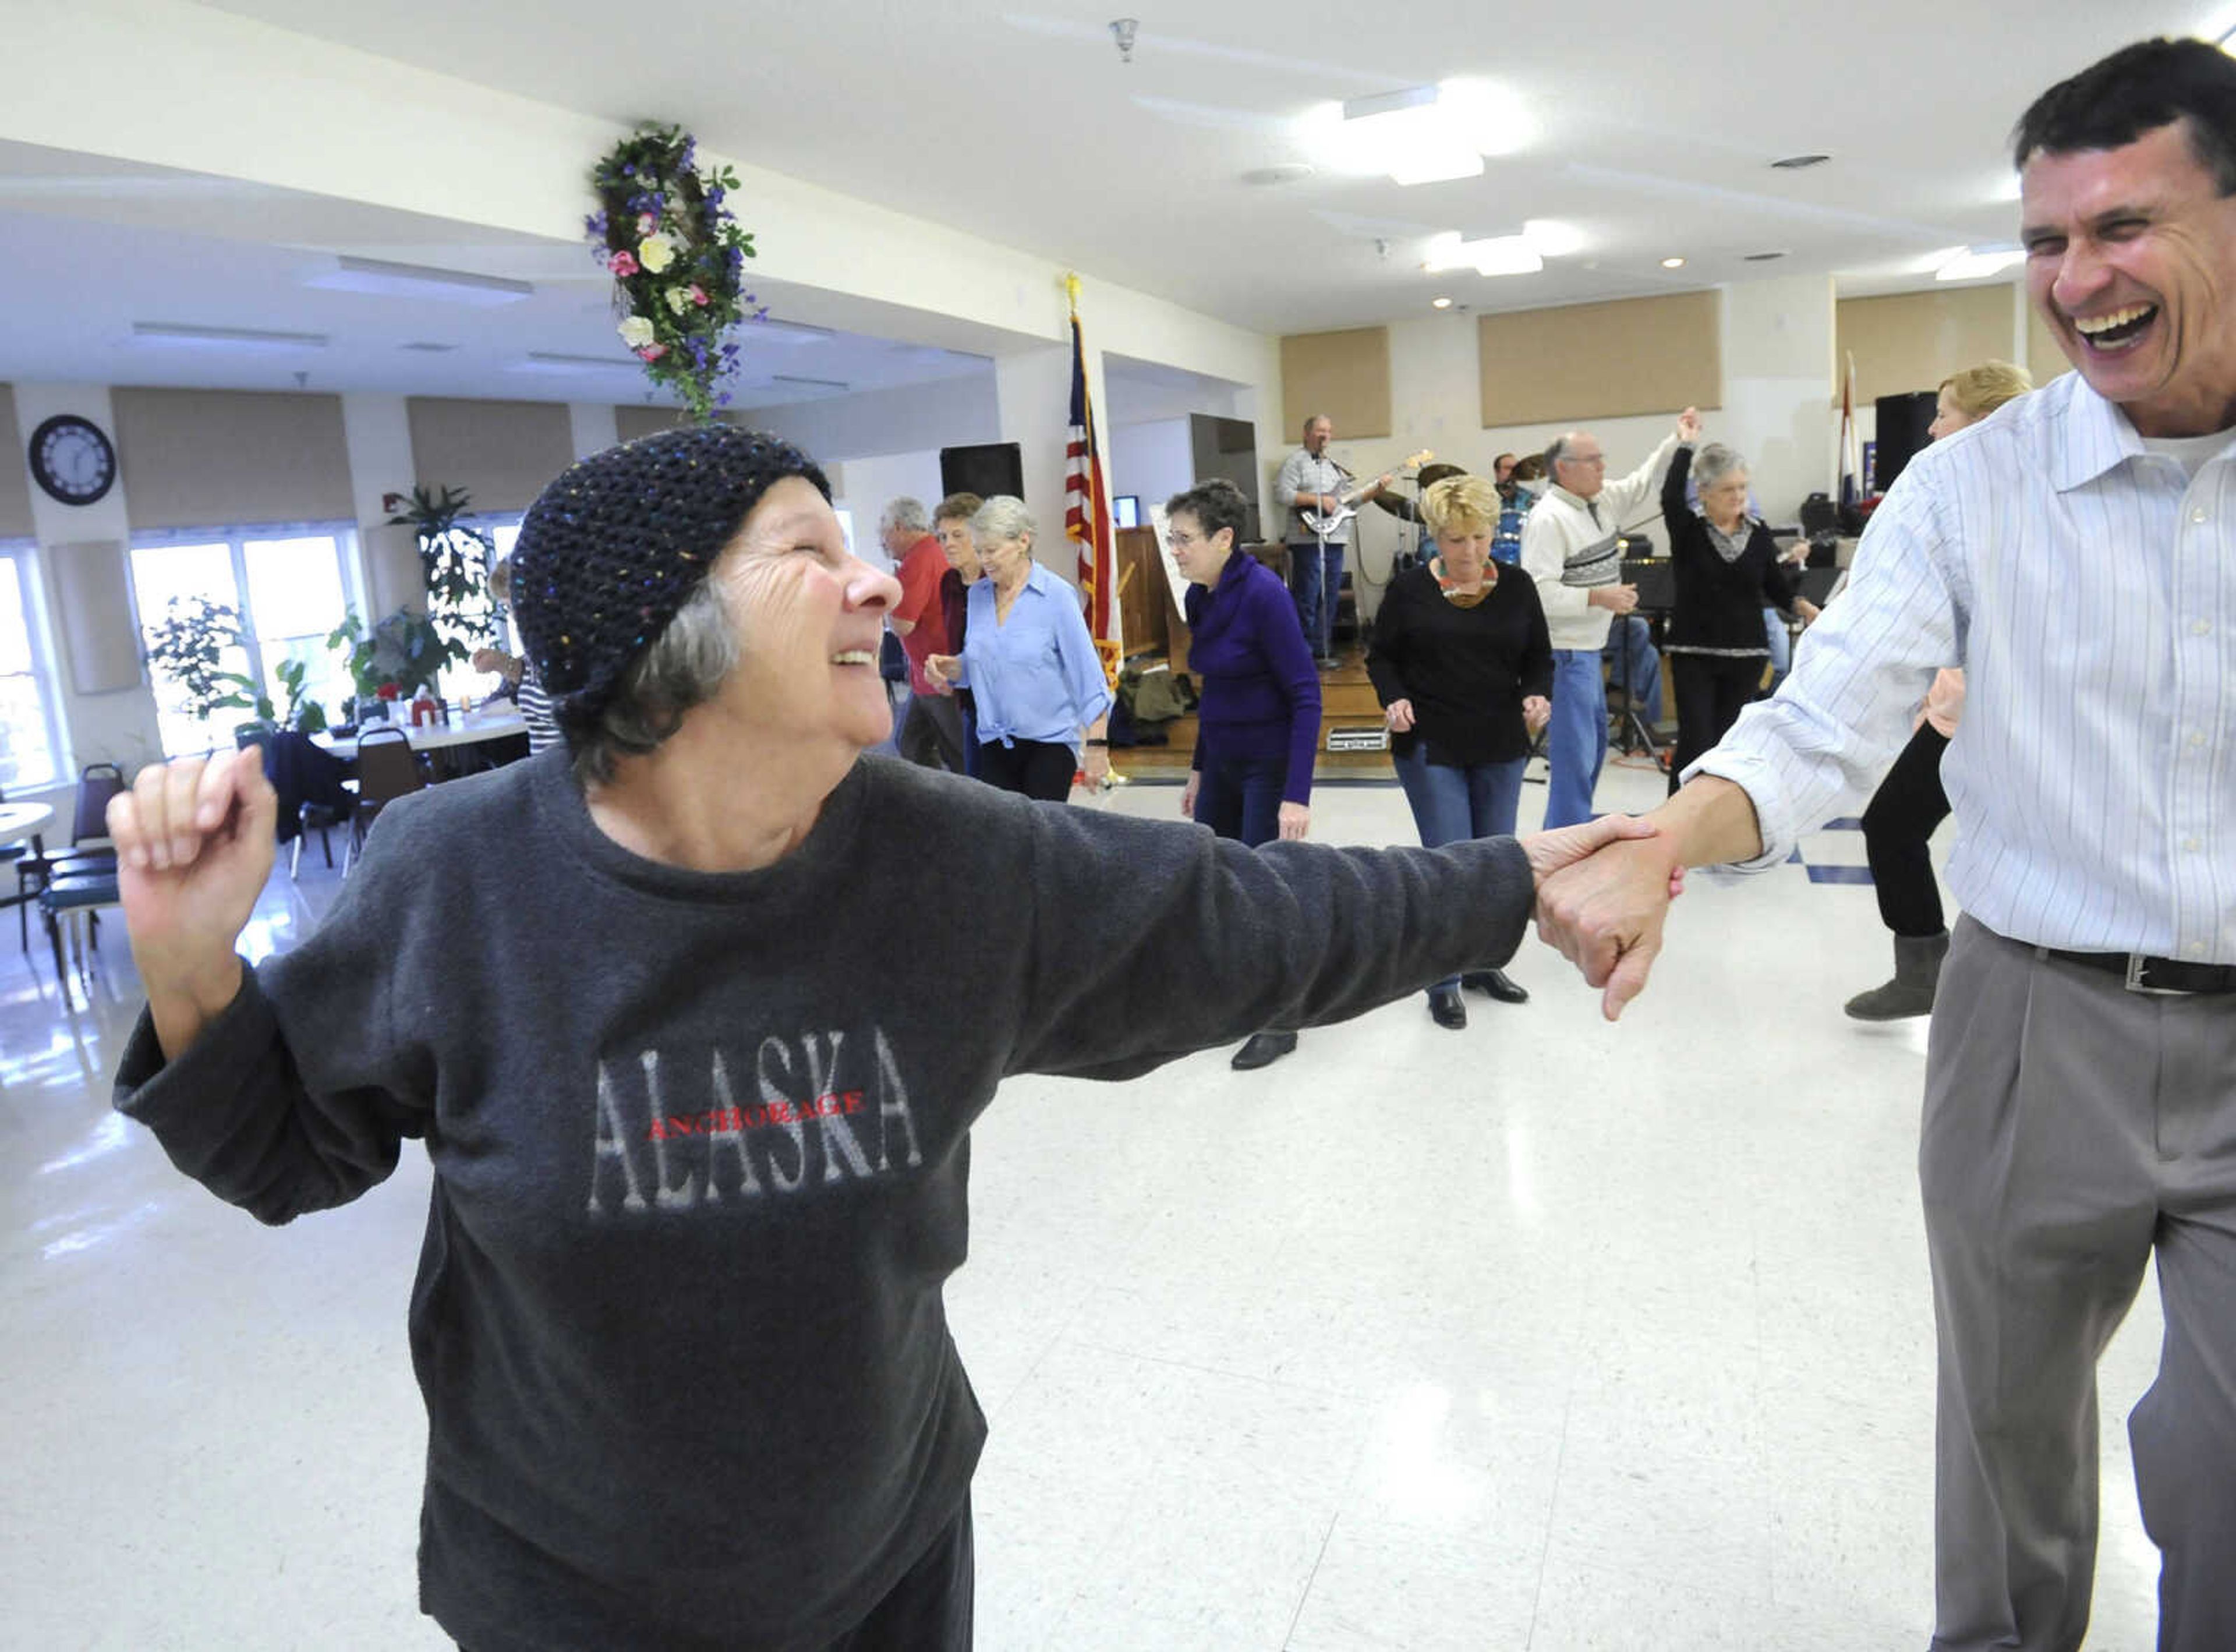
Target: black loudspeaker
point(1904, 429)
point(986, 469)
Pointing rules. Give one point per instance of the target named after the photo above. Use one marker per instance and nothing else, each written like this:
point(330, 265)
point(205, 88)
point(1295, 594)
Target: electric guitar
point(1330, 524)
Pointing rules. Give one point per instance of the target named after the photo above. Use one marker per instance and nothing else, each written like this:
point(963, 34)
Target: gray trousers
point(931, 733)
point(2071, 1127)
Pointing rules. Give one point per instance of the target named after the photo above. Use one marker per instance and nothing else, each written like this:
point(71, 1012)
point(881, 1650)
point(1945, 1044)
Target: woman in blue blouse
point(1029, 665)
point(1259, 718)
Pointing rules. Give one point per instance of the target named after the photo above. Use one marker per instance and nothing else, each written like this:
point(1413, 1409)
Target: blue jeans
point(1316, 577)
point(1240, 797)
point(1644, 666)
point(1452, 805)
point(1781, 646)
point(1577, 739)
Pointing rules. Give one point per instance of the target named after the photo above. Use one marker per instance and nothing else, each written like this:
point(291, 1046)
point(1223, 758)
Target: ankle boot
point(1917, 972)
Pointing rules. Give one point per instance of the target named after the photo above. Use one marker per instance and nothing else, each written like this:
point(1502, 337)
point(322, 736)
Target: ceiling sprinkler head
point(1381, 247)
point(1122, 29)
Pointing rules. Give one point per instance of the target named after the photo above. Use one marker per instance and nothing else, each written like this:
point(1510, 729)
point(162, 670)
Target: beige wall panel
point(1614, 360)
point(14, 472)
point(97, 617)
point(500, 453)
point(1908, 341)
point(213, 458)
point(629, 423)
point(1344, 375)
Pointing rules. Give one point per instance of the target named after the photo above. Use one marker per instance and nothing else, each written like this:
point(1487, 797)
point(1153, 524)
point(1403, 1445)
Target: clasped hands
point(1603, 891)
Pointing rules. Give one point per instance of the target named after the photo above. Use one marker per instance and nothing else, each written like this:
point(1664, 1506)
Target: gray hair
point(1715, 462)
point(1002, 518)
point(1555, 451)
point(906, 513)
point(1317, 418)
point(686, 666)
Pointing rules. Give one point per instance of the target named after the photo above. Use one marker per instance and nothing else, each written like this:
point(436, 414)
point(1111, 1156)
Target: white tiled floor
point(1545, 1335)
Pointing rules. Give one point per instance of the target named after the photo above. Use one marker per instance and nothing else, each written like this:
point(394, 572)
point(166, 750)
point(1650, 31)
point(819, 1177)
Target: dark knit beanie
point(610, 552)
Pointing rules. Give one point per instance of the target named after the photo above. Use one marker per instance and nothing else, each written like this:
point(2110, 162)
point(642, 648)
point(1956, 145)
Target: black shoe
point(1263, 1049)
point(1446, 1007)
point(1495, 982)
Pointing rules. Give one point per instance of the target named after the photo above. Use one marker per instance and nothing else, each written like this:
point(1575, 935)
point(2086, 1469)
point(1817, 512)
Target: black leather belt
point(2156, 975)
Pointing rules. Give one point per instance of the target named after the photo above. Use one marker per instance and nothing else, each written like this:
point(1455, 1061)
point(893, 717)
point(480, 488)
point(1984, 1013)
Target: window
point(29, 742)
point(459, 680)
point(287, 586)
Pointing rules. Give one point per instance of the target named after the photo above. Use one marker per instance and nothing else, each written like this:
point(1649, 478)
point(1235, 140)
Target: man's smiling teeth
point(2092, 327)
point(854, 656)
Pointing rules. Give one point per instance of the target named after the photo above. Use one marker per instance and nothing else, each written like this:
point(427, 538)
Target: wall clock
point(72, 459)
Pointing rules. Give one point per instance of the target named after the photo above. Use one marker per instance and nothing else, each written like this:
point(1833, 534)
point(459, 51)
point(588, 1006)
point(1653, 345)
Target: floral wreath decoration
point(677, 258)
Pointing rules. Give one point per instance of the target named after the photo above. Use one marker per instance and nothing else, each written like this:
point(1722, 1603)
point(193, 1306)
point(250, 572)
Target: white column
point(378, 431)
point(119, 726)
point(1032, 390)
point(1781, 391)
point(593, 426)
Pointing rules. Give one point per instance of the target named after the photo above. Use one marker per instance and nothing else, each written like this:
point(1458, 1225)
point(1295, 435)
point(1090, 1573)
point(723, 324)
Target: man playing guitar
point(1322, 509)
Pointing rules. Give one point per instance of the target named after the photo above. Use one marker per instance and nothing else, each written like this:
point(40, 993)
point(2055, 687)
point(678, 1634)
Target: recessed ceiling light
point(1440, 304)
point(1763, 258)
point(556, 361)
point(165, 332)
point(1797, 162)
point(1673, 263)
point(429, 347)
point(385, 280)
point(1976, 262)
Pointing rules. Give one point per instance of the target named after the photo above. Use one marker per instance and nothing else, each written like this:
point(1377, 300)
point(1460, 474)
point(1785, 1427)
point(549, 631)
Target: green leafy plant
point(188, 646)
point(304, 715)
point(454, 562)
point(678, 260)
point(405, 651)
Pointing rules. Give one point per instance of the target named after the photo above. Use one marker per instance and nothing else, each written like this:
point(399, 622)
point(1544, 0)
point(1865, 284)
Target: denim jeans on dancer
point(1240, 797)
point(1642, 672)
point(1317, 578)
point(1452, 805)
point(1775, 632)
point(1577, 739)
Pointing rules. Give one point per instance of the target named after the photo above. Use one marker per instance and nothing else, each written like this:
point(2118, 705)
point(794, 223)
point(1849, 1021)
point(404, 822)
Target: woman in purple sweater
point(1259, 718)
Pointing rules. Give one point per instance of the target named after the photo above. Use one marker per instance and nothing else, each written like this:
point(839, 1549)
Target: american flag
point(1851, 452)
point(1087, 515)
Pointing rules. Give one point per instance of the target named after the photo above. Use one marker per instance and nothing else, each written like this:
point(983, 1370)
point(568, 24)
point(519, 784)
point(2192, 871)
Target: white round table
point(21, 820)
point(429, 737)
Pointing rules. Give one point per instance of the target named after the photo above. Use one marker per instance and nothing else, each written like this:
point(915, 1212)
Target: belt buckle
point(2137, 964)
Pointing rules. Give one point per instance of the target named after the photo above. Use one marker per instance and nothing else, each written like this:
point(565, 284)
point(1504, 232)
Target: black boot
point(1917, 972)
point(1263, 1049)
point(1446, 1007)
point(1495, 982)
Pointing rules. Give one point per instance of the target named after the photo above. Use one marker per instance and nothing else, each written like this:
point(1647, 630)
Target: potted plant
point(188, 647)
point(454, 562)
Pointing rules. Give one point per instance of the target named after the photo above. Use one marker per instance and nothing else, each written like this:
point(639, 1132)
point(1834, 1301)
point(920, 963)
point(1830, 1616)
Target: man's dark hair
point(1214, 503)
point(2137, 90)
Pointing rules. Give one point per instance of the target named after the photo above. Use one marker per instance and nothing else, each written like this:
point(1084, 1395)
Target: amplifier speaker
point(986, 469)
point(1903, 425)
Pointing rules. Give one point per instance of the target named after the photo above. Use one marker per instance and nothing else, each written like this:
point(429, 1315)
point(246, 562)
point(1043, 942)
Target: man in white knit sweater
point(1569, 547)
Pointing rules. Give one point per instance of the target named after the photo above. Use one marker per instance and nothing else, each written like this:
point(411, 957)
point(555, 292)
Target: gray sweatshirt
point(701, 1148)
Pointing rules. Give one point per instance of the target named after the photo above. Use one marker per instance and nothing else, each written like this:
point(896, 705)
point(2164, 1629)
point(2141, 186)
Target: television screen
point(1126, 508)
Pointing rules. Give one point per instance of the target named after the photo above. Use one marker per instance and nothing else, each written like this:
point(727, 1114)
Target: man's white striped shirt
point(2088, 588)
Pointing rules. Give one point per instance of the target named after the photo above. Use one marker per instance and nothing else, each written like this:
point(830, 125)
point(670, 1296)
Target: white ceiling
point(1024, 127)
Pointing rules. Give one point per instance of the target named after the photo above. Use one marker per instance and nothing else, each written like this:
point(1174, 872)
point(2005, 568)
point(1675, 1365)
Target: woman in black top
point(1464, 668)
point(1728, 572)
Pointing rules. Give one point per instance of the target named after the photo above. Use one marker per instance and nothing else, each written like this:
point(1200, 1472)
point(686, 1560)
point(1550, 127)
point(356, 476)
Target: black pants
point(1909, 804)
point(1712, 689)
point(931, 733)
point(929, 1609)
point(1035, 768)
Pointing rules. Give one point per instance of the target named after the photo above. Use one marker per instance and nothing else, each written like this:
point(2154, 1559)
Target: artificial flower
point(388, 691)
point(652, 353)
point(622, 264)
point(646, 222)
point(679, 300)
point(636, 332)
point(698, 296)
point(655, 253)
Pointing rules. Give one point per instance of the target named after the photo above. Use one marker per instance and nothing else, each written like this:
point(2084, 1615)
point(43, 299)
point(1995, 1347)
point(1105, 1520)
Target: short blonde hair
point(1461, 504)
point(1979, 391)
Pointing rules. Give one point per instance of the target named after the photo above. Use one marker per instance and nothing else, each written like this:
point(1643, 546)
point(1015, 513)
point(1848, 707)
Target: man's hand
point(1604, 914)
point(1616, 599)
point(1689, 425)
point(1536, 711)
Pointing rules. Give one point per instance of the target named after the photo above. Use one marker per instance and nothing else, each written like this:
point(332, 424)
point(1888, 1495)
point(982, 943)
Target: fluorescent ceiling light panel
point(1495, 255)
point(1976, 262)
point(387, 281)
point(192, 337)
point(1548, 238)
point(832, 385)
point(553, 361)
point(785, 333)
point(1420, 134)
